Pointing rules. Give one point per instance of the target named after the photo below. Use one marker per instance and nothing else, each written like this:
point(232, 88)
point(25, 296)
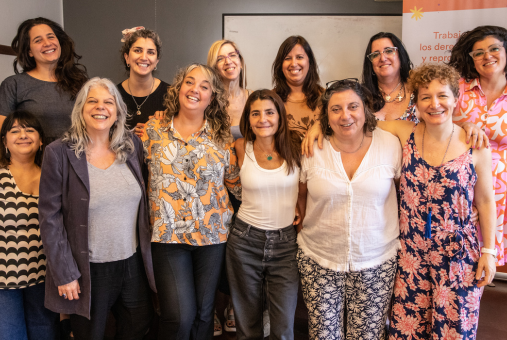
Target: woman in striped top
point(22, 259)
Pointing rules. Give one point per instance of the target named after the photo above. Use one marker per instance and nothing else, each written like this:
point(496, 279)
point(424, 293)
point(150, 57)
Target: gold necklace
point(360, 145)
point(144, 101)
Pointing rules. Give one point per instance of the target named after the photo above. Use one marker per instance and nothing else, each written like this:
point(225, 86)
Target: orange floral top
point(188, 198)
point(472, 107)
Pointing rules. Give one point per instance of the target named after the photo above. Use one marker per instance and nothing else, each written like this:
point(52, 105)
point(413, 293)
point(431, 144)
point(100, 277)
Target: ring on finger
point(64, 295)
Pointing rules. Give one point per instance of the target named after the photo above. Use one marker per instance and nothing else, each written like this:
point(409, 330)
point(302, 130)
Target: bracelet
point(489, 251)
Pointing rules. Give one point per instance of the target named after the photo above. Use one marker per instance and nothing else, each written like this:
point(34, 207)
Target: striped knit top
point(22, 259)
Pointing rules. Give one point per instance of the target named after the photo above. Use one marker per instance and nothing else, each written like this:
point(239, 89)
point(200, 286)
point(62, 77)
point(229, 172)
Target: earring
point(128, 65)
point(155, 68)
point(6, 151)
point(40, 148)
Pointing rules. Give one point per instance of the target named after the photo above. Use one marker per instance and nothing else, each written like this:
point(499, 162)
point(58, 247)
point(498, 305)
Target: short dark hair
point(370, 78)
point(311, 85)
point(24, 119)
point(132, 38)
point(340, 86)
point(287, 142)
point(70, 74)
point(461, 60)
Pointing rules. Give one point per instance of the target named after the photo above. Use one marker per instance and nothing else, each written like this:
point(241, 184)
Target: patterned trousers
point(361, 298)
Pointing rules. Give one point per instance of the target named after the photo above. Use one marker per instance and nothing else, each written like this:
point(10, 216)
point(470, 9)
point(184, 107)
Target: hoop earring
point(128, 65)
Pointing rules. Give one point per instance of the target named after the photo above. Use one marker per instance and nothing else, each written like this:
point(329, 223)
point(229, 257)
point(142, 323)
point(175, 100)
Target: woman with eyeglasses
point(480, 56)
point(349, 235)
point(385, 72)
point(225, 58)
point(296, 80)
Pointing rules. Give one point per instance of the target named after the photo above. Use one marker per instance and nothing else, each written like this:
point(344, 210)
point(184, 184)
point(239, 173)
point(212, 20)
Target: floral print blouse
point(473, 107)
point(188, 199)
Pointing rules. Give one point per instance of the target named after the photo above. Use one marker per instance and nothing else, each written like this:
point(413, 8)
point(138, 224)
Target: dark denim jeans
point(254, 258)
point(187, 278)
point(23, 316)
point(122, 287)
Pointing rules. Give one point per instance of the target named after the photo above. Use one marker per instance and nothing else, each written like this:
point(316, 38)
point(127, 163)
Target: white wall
point(14, 12)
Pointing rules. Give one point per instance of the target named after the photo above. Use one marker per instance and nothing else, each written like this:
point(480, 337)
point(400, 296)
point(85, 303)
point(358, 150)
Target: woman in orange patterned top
point(480, 57)
point(191, 161)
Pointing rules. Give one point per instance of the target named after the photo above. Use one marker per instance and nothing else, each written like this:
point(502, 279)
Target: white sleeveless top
point(268, 196)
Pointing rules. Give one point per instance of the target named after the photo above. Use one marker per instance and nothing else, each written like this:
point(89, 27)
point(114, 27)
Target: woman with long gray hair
point(94, 221)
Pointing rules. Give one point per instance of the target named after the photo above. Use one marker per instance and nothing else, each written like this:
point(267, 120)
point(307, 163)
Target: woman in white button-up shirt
point(349, 237)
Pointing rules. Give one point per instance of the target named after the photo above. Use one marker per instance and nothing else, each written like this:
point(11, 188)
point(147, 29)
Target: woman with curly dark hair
point(50, 79)
point(141, 91)
point(349, 237)
point(191, 161)
point(480, 58)
point(385, 73)
point(296, 80)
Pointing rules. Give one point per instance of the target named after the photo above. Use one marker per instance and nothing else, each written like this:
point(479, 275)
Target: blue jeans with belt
point(255, 258)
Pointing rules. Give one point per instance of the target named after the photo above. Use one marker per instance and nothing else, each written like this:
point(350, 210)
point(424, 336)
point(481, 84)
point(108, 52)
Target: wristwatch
point(489, 251)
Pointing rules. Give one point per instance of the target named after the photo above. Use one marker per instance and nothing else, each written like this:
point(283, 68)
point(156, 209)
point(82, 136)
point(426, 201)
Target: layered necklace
point(145, 99)
point(399, 97)
point(356, 150)
point(427, 231)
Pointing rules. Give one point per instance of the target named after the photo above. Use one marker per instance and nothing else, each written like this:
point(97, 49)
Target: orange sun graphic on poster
point(418, 13)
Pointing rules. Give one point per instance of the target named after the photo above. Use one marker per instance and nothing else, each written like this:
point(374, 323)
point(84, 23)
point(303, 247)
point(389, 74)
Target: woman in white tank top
point(261, 249)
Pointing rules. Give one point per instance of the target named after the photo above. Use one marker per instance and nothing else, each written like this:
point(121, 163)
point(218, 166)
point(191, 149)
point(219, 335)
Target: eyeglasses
point(335, 83)
point(388, 51)
point(479, 54)
point(233, 56)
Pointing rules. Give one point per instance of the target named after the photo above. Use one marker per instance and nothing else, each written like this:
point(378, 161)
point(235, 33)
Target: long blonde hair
point(119, 136)
point(216, 112)
point(213, 56)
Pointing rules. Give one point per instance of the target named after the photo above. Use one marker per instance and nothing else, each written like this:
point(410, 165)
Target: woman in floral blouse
point(191, 161)
point(480, 57)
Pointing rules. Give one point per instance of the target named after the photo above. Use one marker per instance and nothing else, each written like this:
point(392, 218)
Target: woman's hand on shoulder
point(475, 135)
point(139, 130)
point(314, 133)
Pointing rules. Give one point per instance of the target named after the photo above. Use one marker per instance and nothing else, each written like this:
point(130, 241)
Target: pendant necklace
point(268, 155)
point(145, 99)
point(388, 96)
point(356, 150)
point(427, 230)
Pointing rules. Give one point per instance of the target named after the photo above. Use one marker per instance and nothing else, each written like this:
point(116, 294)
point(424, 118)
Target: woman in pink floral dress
point(437, 285)
point(480, 58)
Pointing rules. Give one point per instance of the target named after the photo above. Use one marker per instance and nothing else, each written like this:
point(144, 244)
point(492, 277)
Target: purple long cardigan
point(63, 216)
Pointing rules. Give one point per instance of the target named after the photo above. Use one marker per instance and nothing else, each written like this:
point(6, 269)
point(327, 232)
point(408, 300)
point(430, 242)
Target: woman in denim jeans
point(262, 248)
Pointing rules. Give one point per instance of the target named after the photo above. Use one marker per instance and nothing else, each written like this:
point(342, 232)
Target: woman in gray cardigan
point(94, 221)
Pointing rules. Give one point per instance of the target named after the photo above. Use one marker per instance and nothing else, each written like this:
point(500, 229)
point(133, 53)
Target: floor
point(492, 320)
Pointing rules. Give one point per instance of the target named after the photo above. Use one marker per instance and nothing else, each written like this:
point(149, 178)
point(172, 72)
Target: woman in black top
point(141, 91)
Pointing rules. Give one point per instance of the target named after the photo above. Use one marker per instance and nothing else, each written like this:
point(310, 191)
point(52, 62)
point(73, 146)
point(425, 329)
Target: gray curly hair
point(119, 135)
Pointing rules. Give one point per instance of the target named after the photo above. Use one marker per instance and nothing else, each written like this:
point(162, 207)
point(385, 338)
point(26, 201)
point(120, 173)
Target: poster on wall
point(431, 27)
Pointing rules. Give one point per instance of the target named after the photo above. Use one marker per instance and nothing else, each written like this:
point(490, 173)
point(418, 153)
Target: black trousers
point(187, 278)
point(122, 287)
